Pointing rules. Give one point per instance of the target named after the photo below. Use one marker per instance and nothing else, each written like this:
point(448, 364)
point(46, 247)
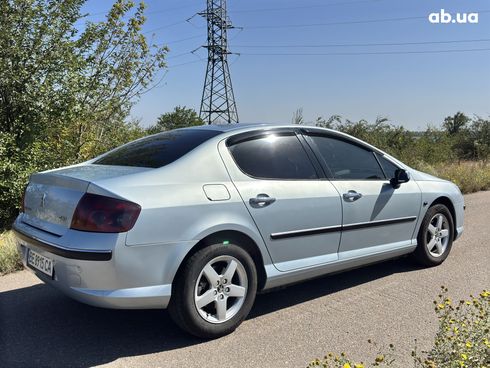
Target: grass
point(9, 256)
point(469, 176)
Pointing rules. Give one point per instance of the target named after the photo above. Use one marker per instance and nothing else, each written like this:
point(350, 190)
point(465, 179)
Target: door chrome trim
point(302, 232)
point(362, 225)
point(335, 228)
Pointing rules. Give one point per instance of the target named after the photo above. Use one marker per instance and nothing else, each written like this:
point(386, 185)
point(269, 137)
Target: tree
point(180, 117)
point(328, 123)
point(480, 131)
point(298, 117)
point(65, 94)
point(454, 124)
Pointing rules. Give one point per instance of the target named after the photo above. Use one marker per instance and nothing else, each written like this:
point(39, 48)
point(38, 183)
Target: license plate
point(40, 262)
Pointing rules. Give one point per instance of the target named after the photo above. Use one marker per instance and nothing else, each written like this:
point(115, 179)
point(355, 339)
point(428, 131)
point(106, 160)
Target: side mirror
point(401, 176)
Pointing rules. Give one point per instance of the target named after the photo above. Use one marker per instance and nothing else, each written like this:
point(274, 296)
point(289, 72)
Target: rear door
point(376, 216)
point(297, 212)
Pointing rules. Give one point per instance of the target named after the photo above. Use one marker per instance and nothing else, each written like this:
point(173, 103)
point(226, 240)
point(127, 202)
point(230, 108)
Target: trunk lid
point(51, 197)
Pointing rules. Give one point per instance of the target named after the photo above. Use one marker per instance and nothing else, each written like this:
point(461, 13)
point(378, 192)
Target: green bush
point(16, 165)
point(9, 256)
point(467, 175)
point(462, 339)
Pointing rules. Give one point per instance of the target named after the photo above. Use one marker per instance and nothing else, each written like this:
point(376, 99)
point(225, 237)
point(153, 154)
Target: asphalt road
point(390, 302)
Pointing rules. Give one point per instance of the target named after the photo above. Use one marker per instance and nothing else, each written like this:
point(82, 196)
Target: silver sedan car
point(201, 219)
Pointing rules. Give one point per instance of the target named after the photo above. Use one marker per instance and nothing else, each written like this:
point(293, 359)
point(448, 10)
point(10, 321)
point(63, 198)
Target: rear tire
point(214, 291)
point(435, 237)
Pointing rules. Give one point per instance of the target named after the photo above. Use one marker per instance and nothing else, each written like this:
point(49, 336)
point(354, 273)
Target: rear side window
point(273, 157)
point(157, 150)
point(388, 167)
point(348, 161)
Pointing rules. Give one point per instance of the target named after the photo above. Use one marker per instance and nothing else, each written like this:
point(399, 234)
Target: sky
point(356, 58)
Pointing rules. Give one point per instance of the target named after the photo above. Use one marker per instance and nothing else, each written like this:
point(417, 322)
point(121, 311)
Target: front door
point(376, 216)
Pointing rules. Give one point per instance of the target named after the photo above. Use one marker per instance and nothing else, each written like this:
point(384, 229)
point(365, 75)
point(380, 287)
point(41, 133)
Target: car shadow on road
point(40, 327)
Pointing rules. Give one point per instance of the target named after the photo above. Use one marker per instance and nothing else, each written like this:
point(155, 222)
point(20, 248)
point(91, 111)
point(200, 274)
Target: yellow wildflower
point(464, 356)
point(346, 365)
point(359, 365)
point(468, 344)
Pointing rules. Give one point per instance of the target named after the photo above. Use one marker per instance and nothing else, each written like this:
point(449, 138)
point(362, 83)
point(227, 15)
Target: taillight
point(102, 214)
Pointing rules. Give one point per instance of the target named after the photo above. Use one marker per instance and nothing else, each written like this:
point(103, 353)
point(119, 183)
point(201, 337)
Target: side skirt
point(346, 261)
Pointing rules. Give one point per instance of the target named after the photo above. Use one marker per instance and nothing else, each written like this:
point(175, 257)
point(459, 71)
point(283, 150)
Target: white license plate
point(40, 262)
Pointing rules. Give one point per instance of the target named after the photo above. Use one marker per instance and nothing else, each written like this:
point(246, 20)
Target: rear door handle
point(262, 200)
point(352, 196)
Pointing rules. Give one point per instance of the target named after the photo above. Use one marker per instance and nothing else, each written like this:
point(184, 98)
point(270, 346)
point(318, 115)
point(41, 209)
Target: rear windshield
point(157, 150)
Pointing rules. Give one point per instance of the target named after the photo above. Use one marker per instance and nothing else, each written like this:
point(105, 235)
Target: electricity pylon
point(218, 104)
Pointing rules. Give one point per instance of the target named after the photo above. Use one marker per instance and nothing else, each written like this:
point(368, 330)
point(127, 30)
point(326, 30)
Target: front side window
point(346, 160)
point(388, 167)
point(273, 157)
point(157, 150)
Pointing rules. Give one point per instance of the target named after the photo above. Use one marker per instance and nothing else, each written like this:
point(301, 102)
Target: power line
point(186, 63)
point(303, 6)
point(346, 53)
point(170, 9)
point(88, 15)
point(163, 27)
point(304, 25)
point(179, 40)
point(366, 21)
point(178, 55)
point(365, 44)
point(366, 53)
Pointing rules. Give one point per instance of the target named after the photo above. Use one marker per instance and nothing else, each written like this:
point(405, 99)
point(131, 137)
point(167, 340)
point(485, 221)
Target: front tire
point(435, 236)
point(214, 291)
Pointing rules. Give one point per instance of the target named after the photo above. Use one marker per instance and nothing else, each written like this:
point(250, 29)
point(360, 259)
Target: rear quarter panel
point(175, 207)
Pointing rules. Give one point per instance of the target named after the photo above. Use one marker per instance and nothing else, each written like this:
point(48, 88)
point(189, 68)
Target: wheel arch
point(450, 206)
point(233, 237)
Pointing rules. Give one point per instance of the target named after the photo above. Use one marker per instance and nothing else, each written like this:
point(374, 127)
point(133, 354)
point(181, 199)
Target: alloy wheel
point(220, 289)
point(437, 235)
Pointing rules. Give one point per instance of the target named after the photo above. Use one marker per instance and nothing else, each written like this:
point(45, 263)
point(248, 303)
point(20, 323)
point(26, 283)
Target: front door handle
point(262, 200)
point(352, 196)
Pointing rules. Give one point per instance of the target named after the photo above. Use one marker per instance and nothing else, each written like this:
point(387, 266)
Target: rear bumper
point(85, 255)
point(149, 297)
point(112, 278)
